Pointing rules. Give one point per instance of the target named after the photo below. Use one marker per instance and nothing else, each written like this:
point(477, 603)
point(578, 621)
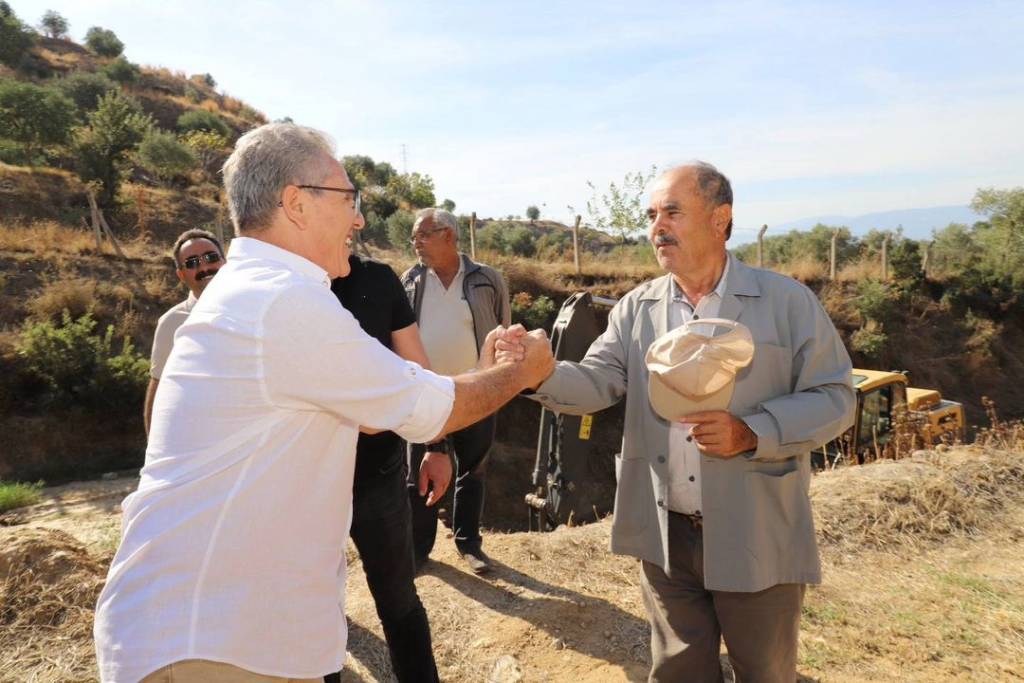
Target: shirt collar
point(719, 290)
point(253, 248)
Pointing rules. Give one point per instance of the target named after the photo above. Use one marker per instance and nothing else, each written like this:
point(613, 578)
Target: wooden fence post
point(926, 258)
point(472, 236)
point(760, 245)
point(576, 244)
point(832, 255)
point(885, 258)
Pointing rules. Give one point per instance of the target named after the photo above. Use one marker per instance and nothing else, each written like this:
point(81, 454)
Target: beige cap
point(691, 372)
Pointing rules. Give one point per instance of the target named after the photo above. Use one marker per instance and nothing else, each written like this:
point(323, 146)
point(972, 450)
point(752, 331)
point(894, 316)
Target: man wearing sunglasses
point(198, 256)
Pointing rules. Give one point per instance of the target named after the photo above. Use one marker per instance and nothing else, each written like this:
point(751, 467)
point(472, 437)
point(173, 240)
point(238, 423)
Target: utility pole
point(760, 245)
point(405, 160)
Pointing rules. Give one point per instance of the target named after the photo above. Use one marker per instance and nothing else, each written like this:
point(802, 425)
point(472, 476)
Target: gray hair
point(440, 217)
point(264, 162)
point(714, 187)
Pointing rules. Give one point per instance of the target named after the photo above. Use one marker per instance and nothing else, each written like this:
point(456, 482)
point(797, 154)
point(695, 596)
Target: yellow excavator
point(888, 409)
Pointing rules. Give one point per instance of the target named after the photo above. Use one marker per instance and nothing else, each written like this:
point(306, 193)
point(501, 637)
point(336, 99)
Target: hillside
point(921, 563)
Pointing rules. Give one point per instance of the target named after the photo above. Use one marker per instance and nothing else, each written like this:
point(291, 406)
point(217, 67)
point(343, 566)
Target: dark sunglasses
point(192, 262)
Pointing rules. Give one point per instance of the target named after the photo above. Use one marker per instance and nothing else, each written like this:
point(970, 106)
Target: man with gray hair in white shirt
point(232, 564)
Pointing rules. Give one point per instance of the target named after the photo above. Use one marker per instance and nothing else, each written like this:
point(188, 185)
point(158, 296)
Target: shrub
point(15, 37)
point(533, 313)
point(375, 230)
point(869, 341)
point(85, 89)
point(122, 71)
point(33, 115)
point(103, 42)
point(16, 495)
point(399, 227)
point(192, 94)
point(13, 153)
point(161, 153)
point(79, 367)
point(203, 120)
point(874, 300)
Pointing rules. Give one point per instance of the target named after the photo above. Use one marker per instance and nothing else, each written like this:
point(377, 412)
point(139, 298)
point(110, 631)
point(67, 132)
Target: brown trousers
point(205, 671)
point(688, 622)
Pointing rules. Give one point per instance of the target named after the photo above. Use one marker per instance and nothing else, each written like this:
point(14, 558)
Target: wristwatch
point(437, 447)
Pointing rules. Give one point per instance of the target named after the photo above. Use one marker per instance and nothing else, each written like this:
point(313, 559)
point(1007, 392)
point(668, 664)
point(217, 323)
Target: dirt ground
point(923, 582)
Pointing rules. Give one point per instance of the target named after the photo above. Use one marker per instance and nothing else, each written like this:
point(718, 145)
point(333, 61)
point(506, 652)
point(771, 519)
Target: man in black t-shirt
point(381, 517)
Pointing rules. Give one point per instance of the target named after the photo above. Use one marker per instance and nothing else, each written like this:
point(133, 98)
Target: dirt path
point(560, 607)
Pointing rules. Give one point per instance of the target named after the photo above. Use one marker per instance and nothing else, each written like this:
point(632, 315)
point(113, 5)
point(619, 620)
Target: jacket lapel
point(741, 282)
point(658, 298)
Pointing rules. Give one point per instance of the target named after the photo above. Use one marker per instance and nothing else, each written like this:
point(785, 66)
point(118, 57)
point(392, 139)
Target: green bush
point(54, 23)
point(13, 153)
point(122, 71)
point(16, 495)
point(399, 227)
point(376, 229)
point(200, 119)
point(533, 313)
point(869, 341)
point(85, 89)
point(875, 300)
point(192, 94)
point(103, 42)
point(79, 367)
point(15, 37)
point(162, 153)
point(34, 115)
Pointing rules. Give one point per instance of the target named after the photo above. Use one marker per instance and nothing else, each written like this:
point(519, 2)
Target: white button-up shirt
point(233, 546)
point(683, 455)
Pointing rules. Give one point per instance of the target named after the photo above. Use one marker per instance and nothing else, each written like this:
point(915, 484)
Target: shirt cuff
point(433, 407)
point(763, 426)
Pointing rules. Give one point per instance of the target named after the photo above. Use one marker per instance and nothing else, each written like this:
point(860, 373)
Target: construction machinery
point(892, 415)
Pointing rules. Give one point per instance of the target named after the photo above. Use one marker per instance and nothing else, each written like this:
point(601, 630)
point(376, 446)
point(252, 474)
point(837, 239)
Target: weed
point(16, 495)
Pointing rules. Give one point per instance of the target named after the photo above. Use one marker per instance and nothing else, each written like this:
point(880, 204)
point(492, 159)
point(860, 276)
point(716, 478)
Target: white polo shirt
point(233, 546)
point(163, 337)
point(683, 455)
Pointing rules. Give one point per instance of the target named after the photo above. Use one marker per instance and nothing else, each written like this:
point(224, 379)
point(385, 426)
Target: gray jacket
point(795, 395)
point(483, 288)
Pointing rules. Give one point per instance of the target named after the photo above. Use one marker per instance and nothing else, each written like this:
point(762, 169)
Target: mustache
point(205, 275)
point(665, 241)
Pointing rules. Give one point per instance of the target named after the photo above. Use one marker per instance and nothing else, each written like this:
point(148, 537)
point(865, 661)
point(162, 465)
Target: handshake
point(529, 352)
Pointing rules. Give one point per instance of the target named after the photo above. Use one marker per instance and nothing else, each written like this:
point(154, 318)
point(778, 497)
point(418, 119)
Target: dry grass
point(858, 270)
point(78, 297)
point(46, 238)
point(804, 270)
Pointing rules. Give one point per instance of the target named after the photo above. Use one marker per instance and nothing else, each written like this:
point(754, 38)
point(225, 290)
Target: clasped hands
point(529, 351)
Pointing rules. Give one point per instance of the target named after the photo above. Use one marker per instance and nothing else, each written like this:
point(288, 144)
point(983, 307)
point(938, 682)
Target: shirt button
point(697, 512)
point(689, 437)
point(661, 458)
point(691, 478)
point(696, 317)
point(661, 503)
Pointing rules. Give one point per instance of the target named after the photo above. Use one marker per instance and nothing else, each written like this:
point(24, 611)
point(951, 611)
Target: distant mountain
point(917, 223)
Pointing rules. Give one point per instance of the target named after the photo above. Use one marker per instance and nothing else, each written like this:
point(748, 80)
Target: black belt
point(696, 521)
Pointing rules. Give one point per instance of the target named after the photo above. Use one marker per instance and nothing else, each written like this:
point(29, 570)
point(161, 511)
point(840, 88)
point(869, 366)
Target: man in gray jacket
point(716, 504)
point(457, 302)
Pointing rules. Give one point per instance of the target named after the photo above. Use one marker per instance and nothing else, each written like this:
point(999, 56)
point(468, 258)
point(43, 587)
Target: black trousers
point(470, 447)
point(382, 533)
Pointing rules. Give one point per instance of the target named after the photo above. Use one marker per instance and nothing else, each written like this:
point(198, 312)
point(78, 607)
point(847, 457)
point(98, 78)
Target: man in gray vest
point(456, 302)
point(714, 502)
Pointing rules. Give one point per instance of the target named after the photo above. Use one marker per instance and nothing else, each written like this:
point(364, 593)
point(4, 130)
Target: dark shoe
point(477, 561)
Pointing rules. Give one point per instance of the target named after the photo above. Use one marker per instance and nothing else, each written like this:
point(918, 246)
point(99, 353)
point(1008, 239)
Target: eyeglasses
point(192, 262)
point(354, 192)
point(423, 235)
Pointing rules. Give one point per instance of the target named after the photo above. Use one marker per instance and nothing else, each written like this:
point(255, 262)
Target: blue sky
point(811, 108)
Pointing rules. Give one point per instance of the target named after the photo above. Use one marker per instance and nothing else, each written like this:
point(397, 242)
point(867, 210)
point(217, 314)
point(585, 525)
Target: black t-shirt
point(374, 296)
